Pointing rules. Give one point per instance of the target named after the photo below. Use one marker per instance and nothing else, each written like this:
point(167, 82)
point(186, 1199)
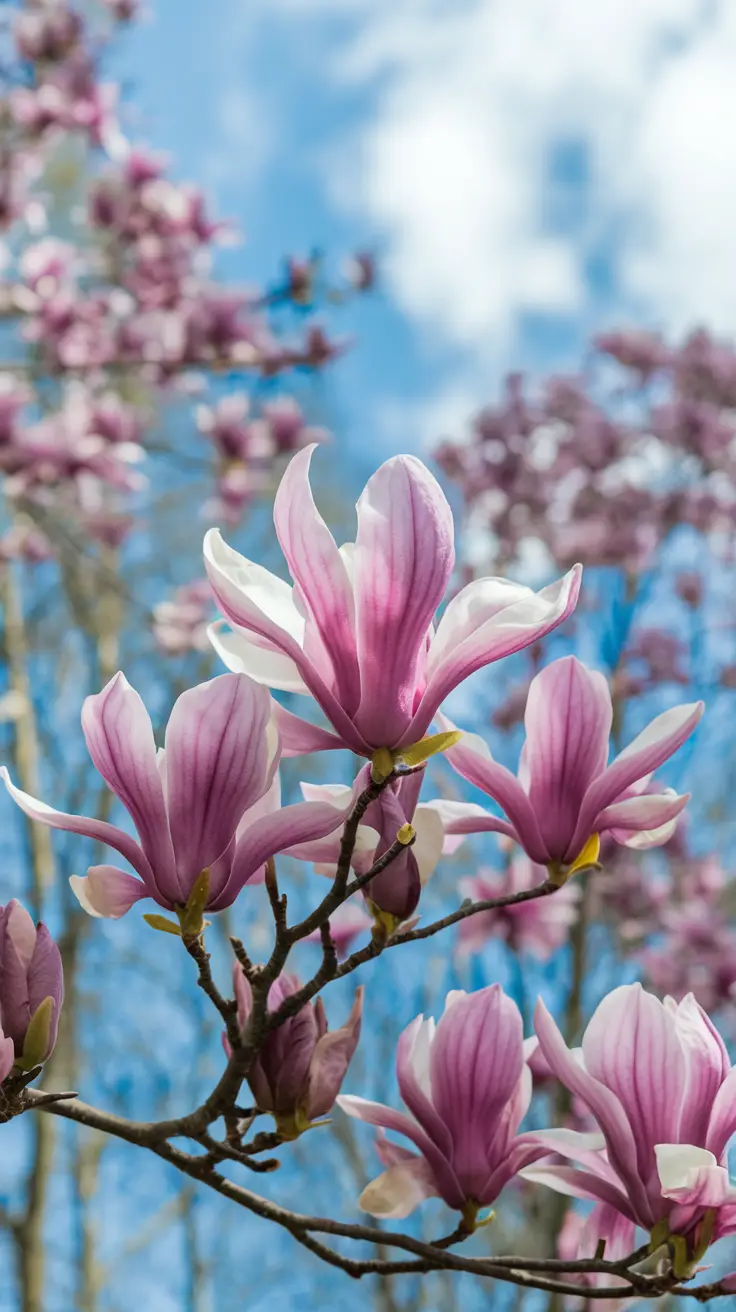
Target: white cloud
point(465, 107)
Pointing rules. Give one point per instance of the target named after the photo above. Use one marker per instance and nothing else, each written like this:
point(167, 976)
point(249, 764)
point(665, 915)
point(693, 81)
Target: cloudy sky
point(528, 171)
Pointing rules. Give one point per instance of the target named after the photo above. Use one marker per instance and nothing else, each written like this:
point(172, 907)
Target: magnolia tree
point(356, 635)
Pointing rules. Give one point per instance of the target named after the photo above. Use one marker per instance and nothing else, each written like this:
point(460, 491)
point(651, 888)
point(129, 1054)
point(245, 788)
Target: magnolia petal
point(403, 559)
point(652, 748)
point(568, 725)
point(119, 736)
point(241, 654)
point(395, 1193)
point(472, 759)
point(643, 822)
point(580, 1184)
point(271, 834)
point(324, 585)
point(7, 1057)
point(602, 1102)
point(429, 841)
point(299, 737)
point(722, 1123)
point(106, 891)
point(330, 1061)
point(375, 1113)
point(99, 830)
point(217, 764)
point(677, 1163)
point(488, 620)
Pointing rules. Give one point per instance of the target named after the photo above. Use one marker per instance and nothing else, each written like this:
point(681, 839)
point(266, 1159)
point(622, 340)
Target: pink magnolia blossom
point(301, 1065)
point(538, 927)
point(203, 803)
point(31, 990)
point(467, 1087)
point(356, 631)
point(395, 891)
point(566, 795)
point(659, 1082)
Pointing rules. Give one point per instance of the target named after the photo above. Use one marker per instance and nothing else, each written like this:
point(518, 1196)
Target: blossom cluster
point(356, 634)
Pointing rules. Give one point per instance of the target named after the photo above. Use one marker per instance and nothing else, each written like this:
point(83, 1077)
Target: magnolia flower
point(300, 1065)
point(31, 990)
point(394, 893)
point(467, 1087)
point(659, 1082)
point(539, 926)
point(213, 778)
point(566, 795)
point(356, 630)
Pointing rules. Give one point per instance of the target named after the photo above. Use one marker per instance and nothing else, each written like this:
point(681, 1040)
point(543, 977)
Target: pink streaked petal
point(106, 891)
point(645, 821)
point(217, 764)
point(413, 1058)
point(604, 1105)
point(99, 830)
point(375, 1113)
point(119, 736)
point(489, 628)
point(241, 654)
point(473, 761)
point(255, 600)
point(462, 818)
point(330, 1061)
point(299, 737)
point(722, 1123)
point(523, 1152)
point(320, 572)
point(580, 1184)
point(632, 1046)
point(656, 744)
point(568, 725)
point(403, 559)
point(271, 834)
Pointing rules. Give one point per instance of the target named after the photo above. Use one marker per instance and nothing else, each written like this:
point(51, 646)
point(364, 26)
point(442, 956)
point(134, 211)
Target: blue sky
point(526, 172)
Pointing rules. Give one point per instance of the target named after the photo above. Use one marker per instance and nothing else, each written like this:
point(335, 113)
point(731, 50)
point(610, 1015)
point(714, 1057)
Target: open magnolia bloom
point(467, 1087)
point(659, 1082)
point(566, 795)
point(356, 630)
point(203, 807)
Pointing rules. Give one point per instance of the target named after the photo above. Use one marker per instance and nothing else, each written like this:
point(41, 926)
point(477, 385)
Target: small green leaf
point(36, 1043)
point(420, 752)
point(162, 924)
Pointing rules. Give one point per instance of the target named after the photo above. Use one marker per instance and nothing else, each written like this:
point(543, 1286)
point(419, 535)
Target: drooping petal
point(332, 1056)
point(106, 891)
point(487, 620)
point(403, 559)
point(299, 737)
point(604, 1105)
point(375, 1113)
point(462, 818)
point(318, 568)
point(291, 826)
point(472, 759)
point(568, 726)
point(119, 737)
point(429, 842)
point(413, 1060)
point(99, 830)
point(243, 655)
point(217, 762)
point(650, 749)
point(395, 1193)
